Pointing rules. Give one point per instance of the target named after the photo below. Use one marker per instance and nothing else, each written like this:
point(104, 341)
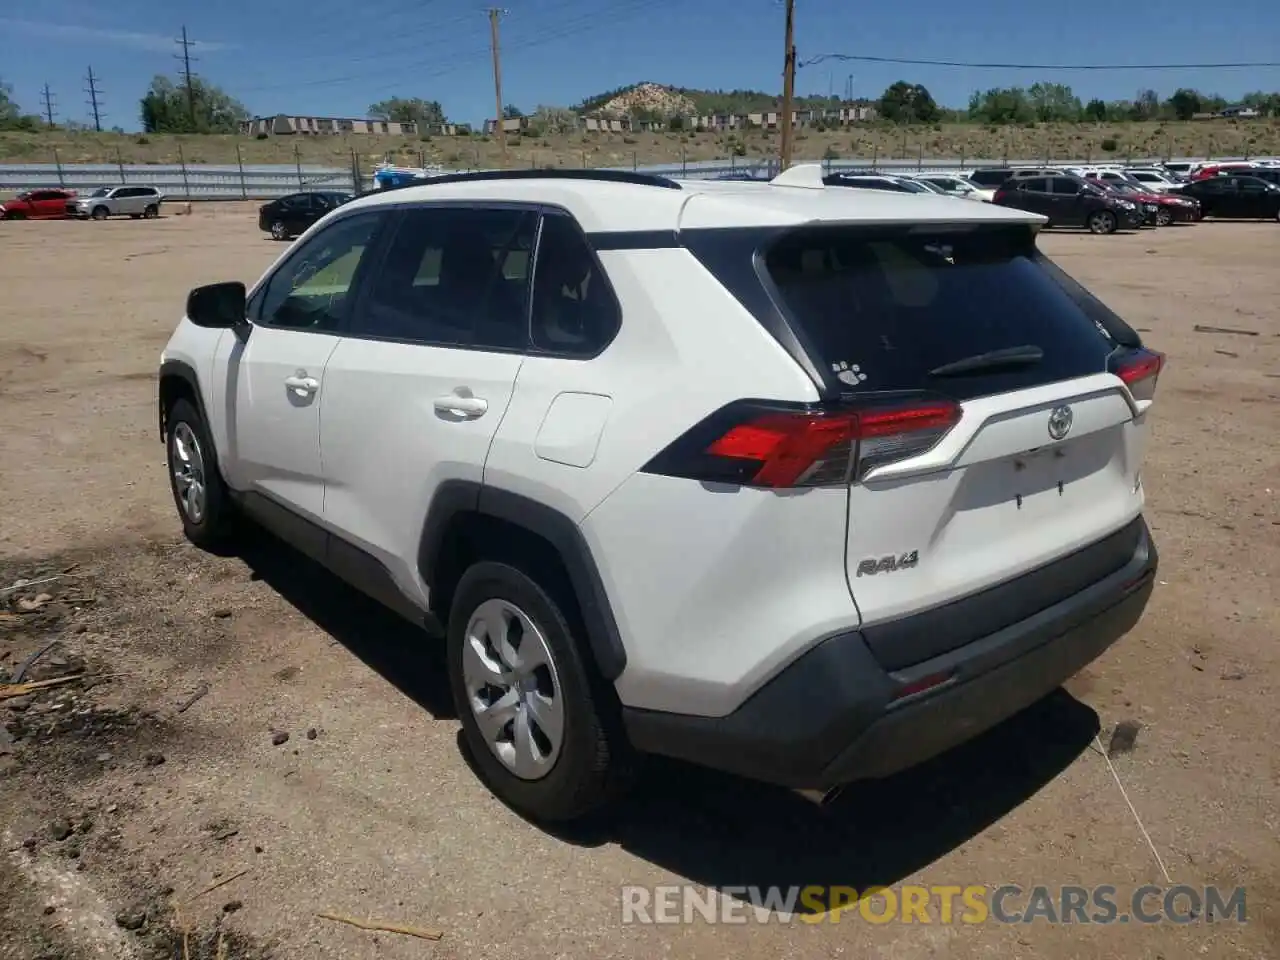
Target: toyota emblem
point(1060, 422)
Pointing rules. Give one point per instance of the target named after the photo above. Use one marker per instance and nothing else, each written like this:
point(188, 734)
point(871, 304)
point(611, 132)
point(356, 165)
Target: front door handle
point(302, 385)
point(469, 407)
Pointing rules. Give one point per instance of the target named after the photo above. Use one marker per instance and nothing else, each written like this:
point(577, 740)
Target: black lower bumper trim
point(834, 716)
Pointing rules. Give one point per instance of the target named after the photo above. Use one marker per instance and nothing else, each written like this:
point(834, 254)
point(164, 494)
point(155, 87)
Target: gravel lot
point(369, 810)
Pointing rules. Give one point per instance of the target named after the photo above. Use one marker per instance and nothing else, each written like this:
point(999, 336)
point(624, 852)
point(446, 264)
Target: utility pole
point(788, 87)
point(501, 128)
point(94, 105)
point(185, 57)
point(47, 97)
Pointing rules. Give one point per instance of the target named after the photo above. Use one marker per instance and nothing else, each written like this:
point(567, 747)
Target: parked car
point(1206, 170)
point(124, 201)
point(954, 186)
point(875, 182)
point(1071, 202)
point(990, 178)
point(43, 204)
point(1180, 168)
point(1269, 174)
point(1233, 197)
point(288, 217)
point(613, 557)
point(1147, 202)
point(1154, 181)
point(1162, 209)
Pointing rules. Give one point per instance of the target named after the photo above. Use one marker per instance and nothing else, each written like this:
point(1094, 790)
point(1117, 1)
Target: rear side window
point(883, 308)
point(575, 313)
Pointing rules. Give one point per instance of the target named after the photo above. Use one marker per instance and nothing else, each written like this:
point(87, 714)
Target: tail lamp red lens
point(762, 446)
point(1140, 370)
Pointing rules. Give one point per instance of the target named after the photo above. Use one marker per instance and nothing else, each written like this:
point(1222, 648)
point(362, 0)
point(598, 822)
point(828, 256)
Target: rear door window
point(882, 307)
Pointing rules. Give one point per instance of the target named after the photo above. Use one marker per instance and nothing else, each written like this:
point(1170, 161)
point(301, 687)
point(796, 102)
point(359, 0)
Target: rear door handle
point(469, 407)
point(302, 385)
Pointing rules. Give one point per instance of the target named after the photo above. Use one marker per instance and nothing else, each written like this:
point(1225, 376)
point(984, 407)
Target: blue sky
point(330, 57)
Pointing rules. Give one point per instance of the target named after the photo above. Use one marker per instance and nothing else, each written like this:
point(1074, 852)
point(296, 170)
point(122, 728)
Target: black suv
point(289, 216)
point(1236, 197)
point(1070, 201)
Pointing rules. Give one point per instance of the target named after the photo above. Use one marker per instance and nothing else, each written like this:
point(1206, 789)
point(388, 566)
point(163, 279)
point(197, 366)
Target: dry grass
point(949, 141)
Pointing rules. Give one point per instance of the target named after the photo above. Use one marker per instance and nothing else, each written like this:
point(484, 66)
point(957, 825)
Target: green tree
point(555, 120)
point(408, 110)
point(1001, 105)
point(512, 112)
point(1054, 102)
point(1096, 110)
point(167, 108)
point(1267, 104)
point(1184, 104)
point(1146, 106)
point(11, 115)
point(904, 102)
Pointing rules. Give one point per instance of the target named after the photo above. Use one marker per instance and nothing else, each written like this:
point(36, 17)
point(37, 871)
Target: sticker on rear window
point(850, 373)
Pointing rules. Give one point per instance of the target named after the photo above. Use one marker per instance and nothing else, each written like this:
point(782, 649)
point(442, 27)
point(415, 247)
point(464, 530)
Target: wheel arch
point(178, 380)
point(468, 521)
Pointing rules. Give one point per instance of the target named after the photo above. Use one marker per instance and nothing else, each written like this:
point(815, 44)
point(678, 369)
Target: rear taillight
point(1139, 369)
point(765, 445)
point(1000, 194)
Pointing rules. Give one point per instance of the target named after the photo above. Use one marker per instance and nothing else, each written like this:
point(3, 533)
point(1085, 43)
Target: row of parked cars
point(125, 200)
point(1103, 198)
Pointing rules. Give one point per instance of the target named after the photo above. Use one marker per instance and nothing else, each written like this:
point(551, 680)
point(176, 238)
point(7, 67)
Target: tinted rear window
point(990, 178)
point(892, 304)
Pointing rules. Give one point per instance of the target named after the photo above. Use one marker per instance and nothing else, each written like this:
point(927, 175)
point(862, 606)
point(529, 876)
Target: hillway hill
point(868, 142)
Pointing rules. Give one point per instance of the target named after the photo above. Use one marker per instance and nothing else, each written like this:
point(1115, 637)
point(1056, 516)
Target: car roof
point(796, 198)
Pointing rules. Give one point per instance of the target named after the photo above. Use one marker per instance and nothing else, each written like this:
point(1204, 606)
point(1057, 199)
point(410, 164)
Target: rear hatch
point(997, 422)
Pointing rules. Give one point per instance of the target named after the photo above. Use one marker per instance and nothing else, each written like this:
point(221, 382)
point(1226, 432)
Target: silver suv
point(117, 202)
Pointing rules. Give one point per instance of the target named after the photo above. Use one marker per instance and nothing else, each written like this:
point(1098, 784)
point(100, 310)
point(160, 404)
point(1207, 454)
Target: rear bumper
point(835, 715)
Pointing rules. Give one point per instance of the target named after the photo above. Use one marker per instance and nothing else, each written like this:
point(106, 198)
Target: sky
point(335, 58)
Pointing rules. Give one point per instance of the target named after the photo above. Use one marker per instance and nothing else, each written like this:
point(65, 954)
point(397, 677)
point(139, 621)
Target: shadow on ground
point(723, 831)
point(398, 650)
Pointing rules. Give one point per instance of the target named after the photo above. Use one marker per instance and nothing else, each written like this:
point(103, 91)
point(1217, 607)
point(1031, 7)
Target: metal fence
point(266, 181)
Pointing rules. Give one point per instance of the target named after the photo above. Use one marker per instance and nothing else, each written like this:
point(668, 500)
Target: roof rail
point(567, 173)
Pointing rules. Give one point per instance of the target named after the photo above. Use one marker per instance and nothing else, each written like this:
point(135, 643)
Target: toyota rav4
point(802, 483)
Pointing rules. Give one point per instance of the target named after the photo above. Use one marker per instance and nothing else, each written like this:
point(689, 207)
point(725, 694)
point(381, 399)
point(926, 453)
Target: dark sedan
point(289, 216)
point(1234, 197)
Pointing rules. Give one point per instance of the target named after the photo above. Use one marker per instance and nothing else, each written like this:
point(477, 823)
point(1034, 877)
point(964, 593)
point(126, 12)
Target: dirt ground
point(157, 774)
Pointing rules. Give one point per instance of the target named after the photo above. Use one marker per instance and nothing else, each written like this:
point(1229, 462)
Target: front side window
point(454, 276)
point(311, 289)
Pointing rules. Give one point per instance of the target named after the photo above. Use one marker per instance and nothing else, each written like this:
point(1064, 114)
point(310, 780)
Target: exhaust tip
point(821, 798)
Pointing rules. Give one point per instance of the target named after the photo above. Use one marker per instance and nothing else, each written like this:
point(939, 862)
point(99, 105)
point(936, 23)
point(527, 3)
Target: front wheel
point(536, 719)
point(100, 213)
point(1102, 222)
point(201, 497)
point(151, 212)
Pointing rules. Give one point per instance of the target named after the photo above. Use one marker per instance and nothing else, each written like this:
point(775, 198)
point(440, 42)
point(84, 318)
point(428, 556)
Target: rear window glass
point(883, 308)
point(990, 178)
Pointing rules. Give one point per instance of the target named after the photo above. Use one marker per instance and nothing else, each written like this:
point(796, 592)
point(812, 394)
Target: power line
point(94, 104)
point(788, 84)
point(185, 57)
point(47, 98)
point(1034, 66)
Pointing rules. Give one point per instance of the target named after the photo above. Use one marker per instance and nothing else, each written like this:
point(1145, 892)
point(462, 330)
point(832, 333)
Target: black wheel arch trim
point(183, 371)
point(454, 497)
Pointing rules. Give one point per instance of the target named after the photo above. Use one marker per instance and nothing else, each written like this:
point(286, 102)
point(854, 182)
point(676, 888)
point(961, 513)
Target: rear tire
point(1103, 222)
point(539, 723)
point(100, 213)
point(151, 212)
point(279, 231)
point(203, 501)
point(1164, 217)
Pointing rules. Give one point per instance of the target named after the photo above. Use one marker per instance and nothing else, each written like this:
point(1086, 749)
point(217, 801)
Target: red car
point(1169, 207)
point(1213, 169)
point(50, 204)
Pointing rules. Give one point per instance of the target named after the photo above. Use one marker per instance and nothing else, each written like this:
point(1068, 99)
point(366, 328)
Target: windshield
point(25, 195)
point(101, 192)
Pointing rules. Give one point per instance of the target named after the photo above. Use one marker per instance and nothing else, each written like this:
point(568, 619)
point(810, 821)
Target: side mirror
point(217, 305)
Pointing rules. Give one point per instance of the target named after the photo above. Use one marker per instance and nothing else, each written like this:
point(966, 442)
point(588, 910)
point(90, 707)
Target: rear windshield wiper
point(1023, 356)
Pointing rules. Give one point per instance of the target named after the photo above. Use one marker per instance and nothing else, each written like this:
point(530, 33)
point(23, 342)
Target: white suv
point(807, 484)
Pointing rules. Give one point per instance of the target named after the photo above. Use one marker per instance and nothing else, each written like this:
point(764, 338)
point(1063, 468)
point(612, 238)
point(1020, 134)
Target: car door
point(1033, 195)
point(1254, 198)
point(270, 382)
point(1067, 205)
point(299, 213)
point(46, 204)
point(426, 370)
